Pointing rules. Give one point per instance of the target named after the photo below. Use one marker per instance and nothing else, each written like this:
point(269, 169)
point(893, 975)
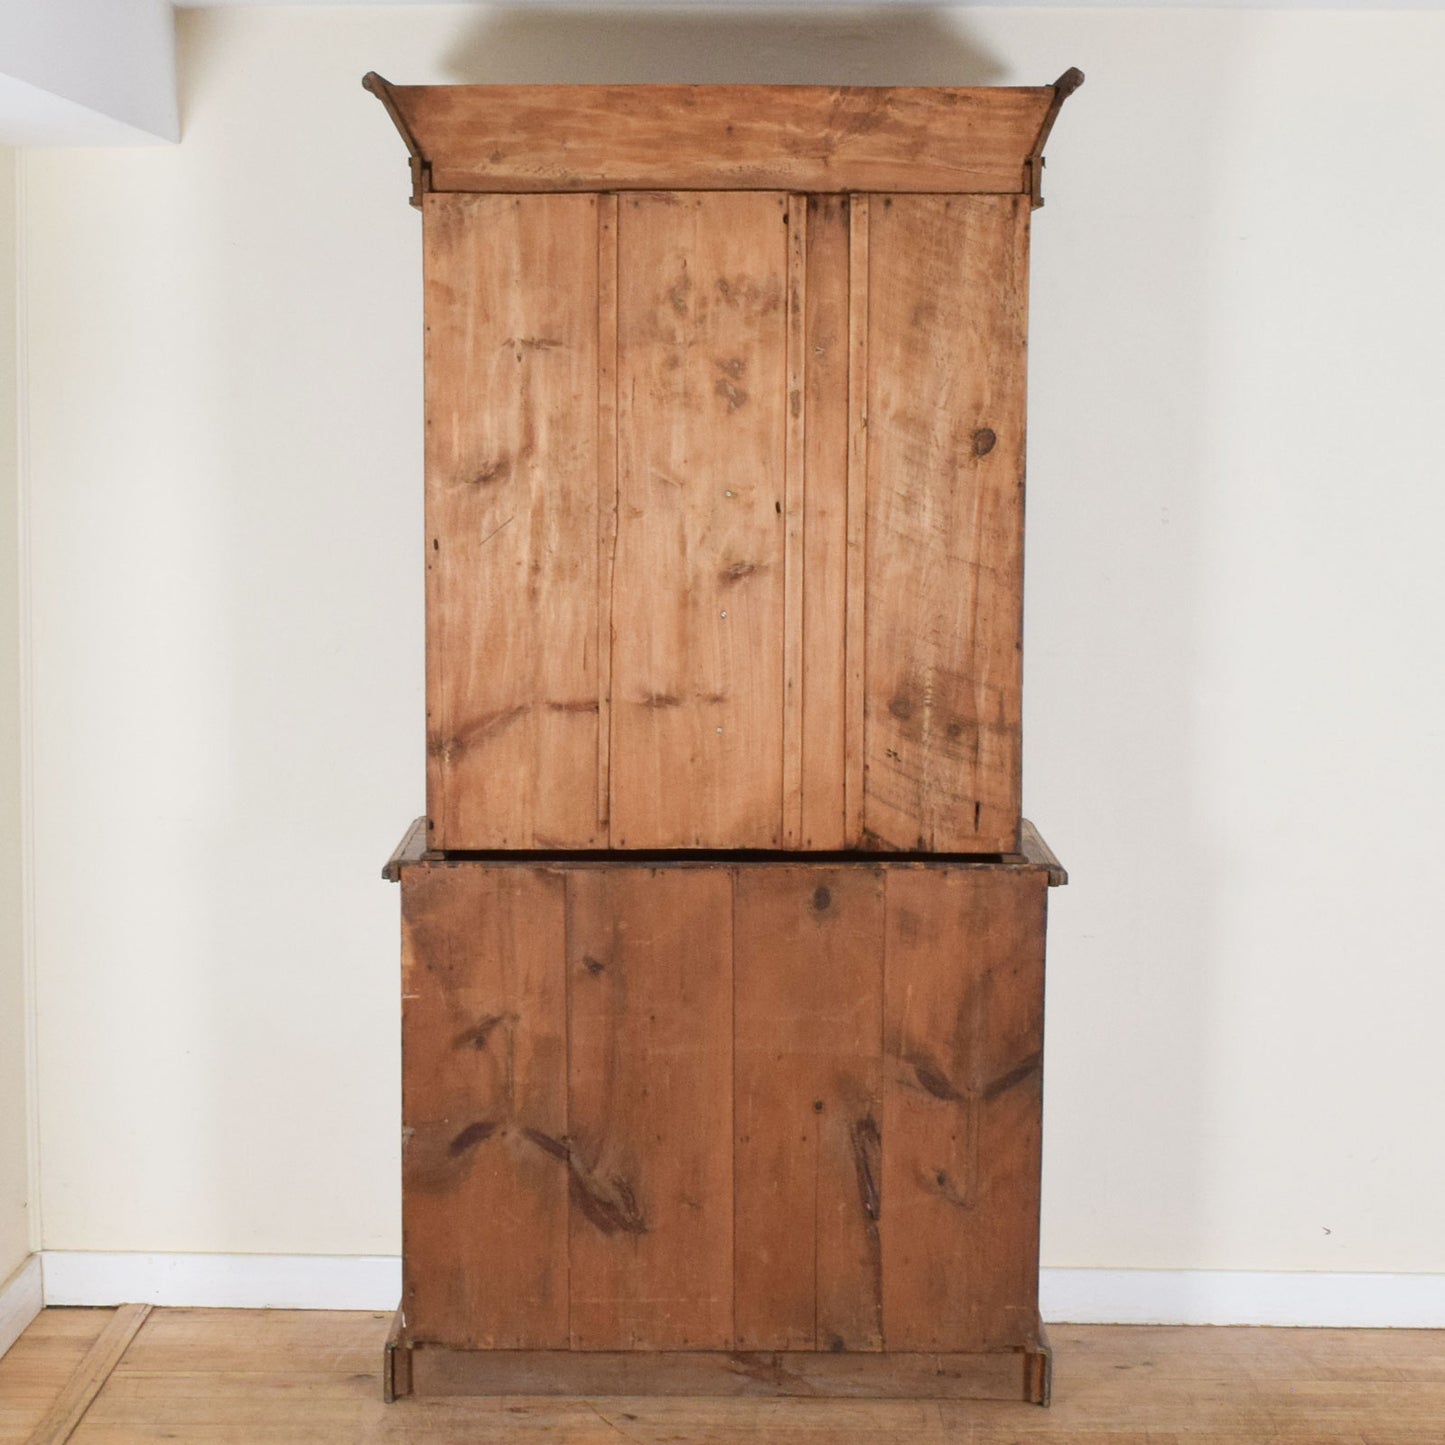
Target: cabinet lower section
point(722, 1127)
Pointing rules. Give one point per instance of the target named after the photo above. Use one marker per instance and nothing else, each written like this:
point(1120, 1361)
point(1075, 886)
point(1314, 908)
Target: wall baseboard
point(20, 1301)
point(224, 1281)
point(1242, 1297)
point(1075, 1296)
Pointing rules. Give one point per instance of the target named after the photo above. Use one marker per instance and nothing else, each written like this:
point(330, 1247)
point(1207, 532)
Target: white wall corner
point(21, 1298)
point(88, 73)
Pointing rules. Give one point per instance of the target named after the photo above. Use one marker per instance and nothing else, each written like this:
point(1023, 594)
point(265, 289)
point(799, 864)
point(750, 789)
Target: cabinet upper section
point(813, 138)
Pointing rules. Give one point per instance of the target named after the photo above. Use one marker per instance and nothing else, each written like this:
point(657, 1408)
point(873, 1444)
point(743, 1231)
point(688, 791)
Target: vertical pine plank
point(855, 681)
point(511, 520)
point(825, 523)
point(606, 491)
point(945, 416)
point(697, 626)
point(794, 503)
point(484, 1077)
point(807, 949)
point(963, 1040)
point(650, 994)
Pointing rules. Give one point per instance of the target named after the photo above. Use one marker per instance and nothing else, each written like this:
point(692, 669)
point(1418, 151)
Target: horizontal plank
point(801, 138)
point(409, 850)
point(1035, 851)
point(996, 1375)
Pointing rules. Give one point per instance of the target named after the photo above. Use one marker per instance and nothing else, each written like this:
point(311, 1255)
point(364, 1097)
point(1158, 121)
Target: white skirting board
point(1075, 1296)
point(224, 1281)
point(20, 1301)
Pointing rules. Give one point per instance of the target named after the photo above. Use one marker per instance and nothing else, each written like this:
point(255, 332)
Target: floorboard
point(254, 1377)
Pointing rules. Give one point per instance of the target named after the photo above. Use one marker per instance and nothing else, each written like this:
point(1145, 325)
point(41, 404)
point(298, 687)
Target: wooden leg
point(1039, 1371)
point(396, 1363)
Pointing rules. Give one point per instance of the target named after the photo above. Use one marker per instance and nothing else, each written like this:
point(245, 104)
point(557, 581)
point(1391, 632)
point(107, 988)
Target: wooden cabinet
point(753, 1120)
point(707, 1089)
point(724, 464)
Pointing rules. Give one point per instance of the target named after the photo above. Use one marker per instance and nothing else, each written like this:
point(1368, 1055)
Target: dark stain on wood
point(901, 707)
point(735, 396)
point(492, 472)
point(867, 1155)
point(470, 1137)
point(941, 1184)
point(769, 1370)
point(1013, 1078)
point(476, 1037)
point(822, 898)
point(608, 1203)
point(932, 1080)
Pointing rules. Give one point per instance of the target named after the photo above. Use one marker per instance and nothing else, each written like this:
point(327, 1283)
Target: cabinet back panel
point(511, 521)
point(484, 1079)
point(947, 318)
point(725, 509)
point(698, 588)
point(716, 1106)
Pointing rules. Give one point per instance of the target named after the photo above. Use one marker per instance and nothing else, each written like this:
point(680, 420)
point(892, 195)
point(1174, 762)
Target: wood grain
point(856, 580)
point(1000, 1375)
point(606, 495)
point(825, 523)
point(511, 520)
point(794, 503)
point(63, 1417)
point(947, 316)
point(963, 1044)
point(236, 1377)
point(698, 605)
point(484, 1087)
point(808, 1022)
point(499, 138)
point(649, 956)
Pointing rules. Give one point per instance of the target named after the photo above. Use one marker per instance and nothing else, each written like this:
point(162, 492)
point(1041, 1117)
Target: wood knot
point(822, 897)
point(984, 441)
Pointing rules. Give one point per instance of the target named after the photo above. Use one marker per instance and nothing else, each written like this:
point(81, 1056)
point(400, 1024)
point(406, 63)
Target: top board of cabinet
point(950, 140)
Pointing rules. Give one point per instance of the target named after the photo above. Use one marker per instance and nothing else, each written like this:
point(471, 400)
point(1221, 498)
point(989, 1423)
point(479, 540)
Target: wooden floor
point(253, 1377)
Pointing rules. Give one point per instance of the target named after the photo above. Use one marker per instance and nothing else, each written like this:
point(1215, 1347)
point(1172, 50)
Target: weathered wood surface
point(807, 1039)
point(68, 1408)
point(962, 1105)
point(649, 1149)
point(1033, 849)
point(722, 1106)
point(500, 138)
point(977, 1375)
point(485, 1212)
point(413, 844)
point(239, 1377)
point(512, 521)
point(698, 591)
point(825, 523)
point(946, 316)
point(725, 508)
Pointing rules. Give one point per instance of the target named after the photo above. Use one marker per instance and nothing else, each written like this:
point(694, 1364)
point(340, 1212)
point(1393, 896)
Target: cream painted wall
point(16, 1222)
point(1233, 680)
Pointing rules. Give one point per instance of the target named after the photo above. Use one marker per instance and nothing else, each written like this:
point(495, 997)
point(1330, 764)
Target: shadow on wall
point(884, 46)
